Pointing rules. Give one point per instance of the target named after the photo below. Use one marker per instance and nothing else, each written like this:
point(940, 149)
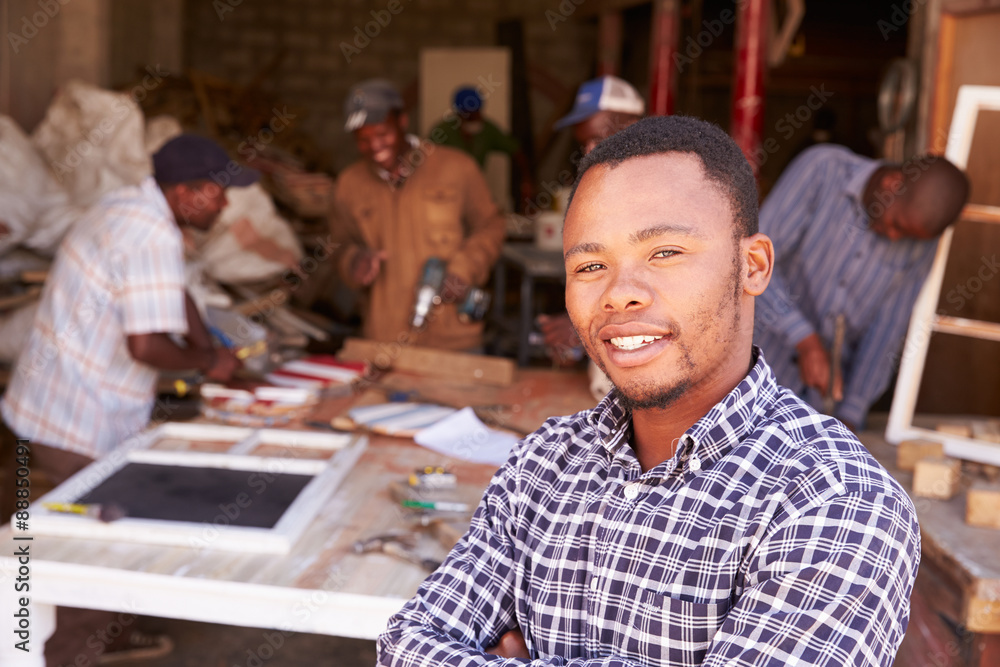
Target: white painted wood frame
point(327, 474)
point(925, 321)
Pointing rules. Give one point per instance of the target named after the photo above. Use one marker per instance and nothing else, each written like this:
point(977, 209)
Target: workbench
point(955, 607)
point(321, 586)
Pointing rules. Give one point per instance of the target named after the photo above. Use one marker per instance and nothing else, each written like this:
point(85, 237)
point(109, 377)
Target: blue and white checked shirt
point(772, 537)
point(119, 271)
point(828, 262)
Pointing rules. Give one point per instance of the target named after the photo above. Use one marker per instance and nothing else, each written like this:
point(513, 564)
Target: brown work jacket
point(444, 209)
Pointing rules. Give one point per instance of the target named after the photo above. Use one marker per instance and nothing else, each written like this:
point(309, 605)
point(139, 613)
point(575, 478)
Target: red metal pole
point(748, 88)
point(663, 46)
point(609, 43)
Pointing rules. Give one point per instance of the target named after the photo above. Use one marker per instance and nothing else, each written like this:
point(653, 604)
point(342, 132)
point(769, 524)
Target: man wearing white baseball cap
point(603, 106)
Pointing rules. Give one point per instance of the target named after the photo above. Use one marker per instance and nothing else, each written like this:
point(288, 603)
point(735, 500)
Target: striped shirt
point(772, 537)
point(827, 262)
point(119, 271)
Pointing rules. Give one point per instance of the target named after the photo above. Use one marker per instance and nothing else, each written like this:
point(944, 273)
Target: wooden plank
point(429, 362)
point(983, 615)
point(911, 451)
point(961, 430)
point(986, 429)
point(981, 213)
point(936, 477)
point(982, 505)
point(961, 326)
point(963, 554)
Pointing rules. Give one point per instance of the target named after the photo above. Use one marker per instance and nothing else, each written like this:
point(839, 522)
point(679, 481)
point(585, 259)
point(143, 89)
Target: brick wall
point(234, 39)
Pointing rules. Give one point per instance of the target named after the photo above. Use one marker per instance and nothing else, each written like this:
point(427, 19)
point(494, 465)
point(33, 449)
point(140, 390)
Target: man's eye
point(590, 268)
point(665, 253)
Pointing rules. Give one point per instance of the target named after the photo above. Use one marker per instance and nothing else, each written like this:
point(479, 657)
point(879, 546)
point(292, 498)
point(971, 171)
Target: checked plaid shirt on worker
point(772, 537)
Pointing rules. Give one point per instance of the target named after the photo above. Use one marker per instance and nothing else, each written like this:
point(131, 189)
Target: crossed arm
point(827, 585)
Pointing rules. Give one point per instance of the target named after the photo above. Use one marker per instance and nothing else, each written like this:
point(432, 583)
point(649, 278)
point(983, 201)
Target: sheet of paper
point(464, 437)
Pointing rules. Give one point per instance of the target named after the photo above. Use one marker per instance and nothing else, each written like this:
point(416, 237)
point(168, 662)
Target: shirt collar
point(855, 185)
point(730, 421)
point(152, 189)
point(406, 168)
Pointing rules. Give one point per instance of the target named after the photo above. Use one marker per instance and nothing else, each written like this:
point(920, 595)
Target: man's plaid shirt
point(772, 537)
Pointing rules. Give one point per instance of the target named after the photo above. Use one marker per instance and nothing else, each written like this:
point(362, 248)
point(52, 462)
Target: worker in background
point(112, 307)
point(468, 130)
point(603, 106)
point(700, 514)
point(854, 239)
point(403, 203)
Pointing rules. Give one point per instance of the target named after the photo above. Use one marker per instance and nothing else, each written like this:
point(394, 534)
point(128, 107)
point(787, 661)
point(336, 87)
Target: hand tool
point(836, 356)
point(437, 505)
point(397, 544)
point(102, 512)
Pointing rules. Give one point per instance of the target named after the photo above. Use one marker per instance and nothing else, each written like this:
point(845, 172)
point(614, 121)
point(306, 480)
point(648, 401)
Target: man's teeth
point(633, 342)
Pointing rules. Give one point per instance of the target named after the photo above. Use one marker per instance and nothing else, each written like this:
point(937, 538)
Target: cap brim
point(370, 117)
point(247, 176)
point(575, 116)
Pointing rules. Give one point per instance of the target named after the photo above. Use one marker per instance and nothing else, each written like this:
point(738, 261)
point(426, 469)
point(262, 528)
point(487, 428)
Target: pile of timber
point(940, 477)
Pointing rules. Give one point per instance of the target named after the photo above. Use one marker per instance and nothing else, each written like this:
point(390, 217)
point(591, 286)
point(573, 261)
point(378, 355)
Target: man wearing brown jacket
point(404, 202)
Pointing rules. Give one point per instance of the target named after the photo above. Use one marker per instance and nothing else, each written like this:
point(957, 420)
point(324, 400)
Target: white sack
point(33, 206)
point(93, 140)
point(249, 242)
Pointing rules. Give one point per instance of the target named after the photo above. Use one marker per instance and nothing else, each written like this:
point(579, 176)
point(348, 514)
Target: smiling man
point(403, 203)
point(700, 514)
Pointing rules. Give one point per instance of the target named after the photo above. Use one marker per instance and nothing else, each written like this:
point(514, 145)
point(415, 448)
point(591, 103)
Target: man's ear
point(758, 253)
point(892, 181)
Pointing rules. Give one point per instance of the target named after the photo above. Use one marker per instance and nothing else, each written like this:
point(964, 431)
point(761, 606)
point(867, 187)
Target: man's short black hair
point(721, 158)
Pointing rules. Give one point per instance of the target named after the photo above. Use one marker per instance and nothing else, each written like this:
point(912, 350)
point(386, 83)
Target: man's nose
point(627, 290)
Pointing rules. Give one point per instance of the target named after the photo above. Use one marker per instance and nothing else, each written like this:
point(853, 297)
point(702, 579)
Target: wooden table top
point(970, 555)
point(322, 560)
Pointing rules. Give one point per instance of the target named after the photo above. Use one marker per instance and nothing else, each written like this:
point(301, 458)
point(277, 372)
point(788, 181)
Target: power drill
point(472, 308)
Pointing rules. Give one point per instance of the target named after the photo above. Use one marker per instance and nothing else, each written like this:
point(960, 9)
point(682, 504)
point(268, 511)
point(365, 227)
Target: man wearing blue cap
point(113, 302)
point(468, 130)
point(403, 203)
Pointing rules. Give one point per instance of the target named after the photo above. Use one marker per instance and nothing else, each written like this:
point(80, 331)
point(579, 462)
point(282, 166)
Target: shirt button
point(632, 491)
point(695, 464)
point(594, 584)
